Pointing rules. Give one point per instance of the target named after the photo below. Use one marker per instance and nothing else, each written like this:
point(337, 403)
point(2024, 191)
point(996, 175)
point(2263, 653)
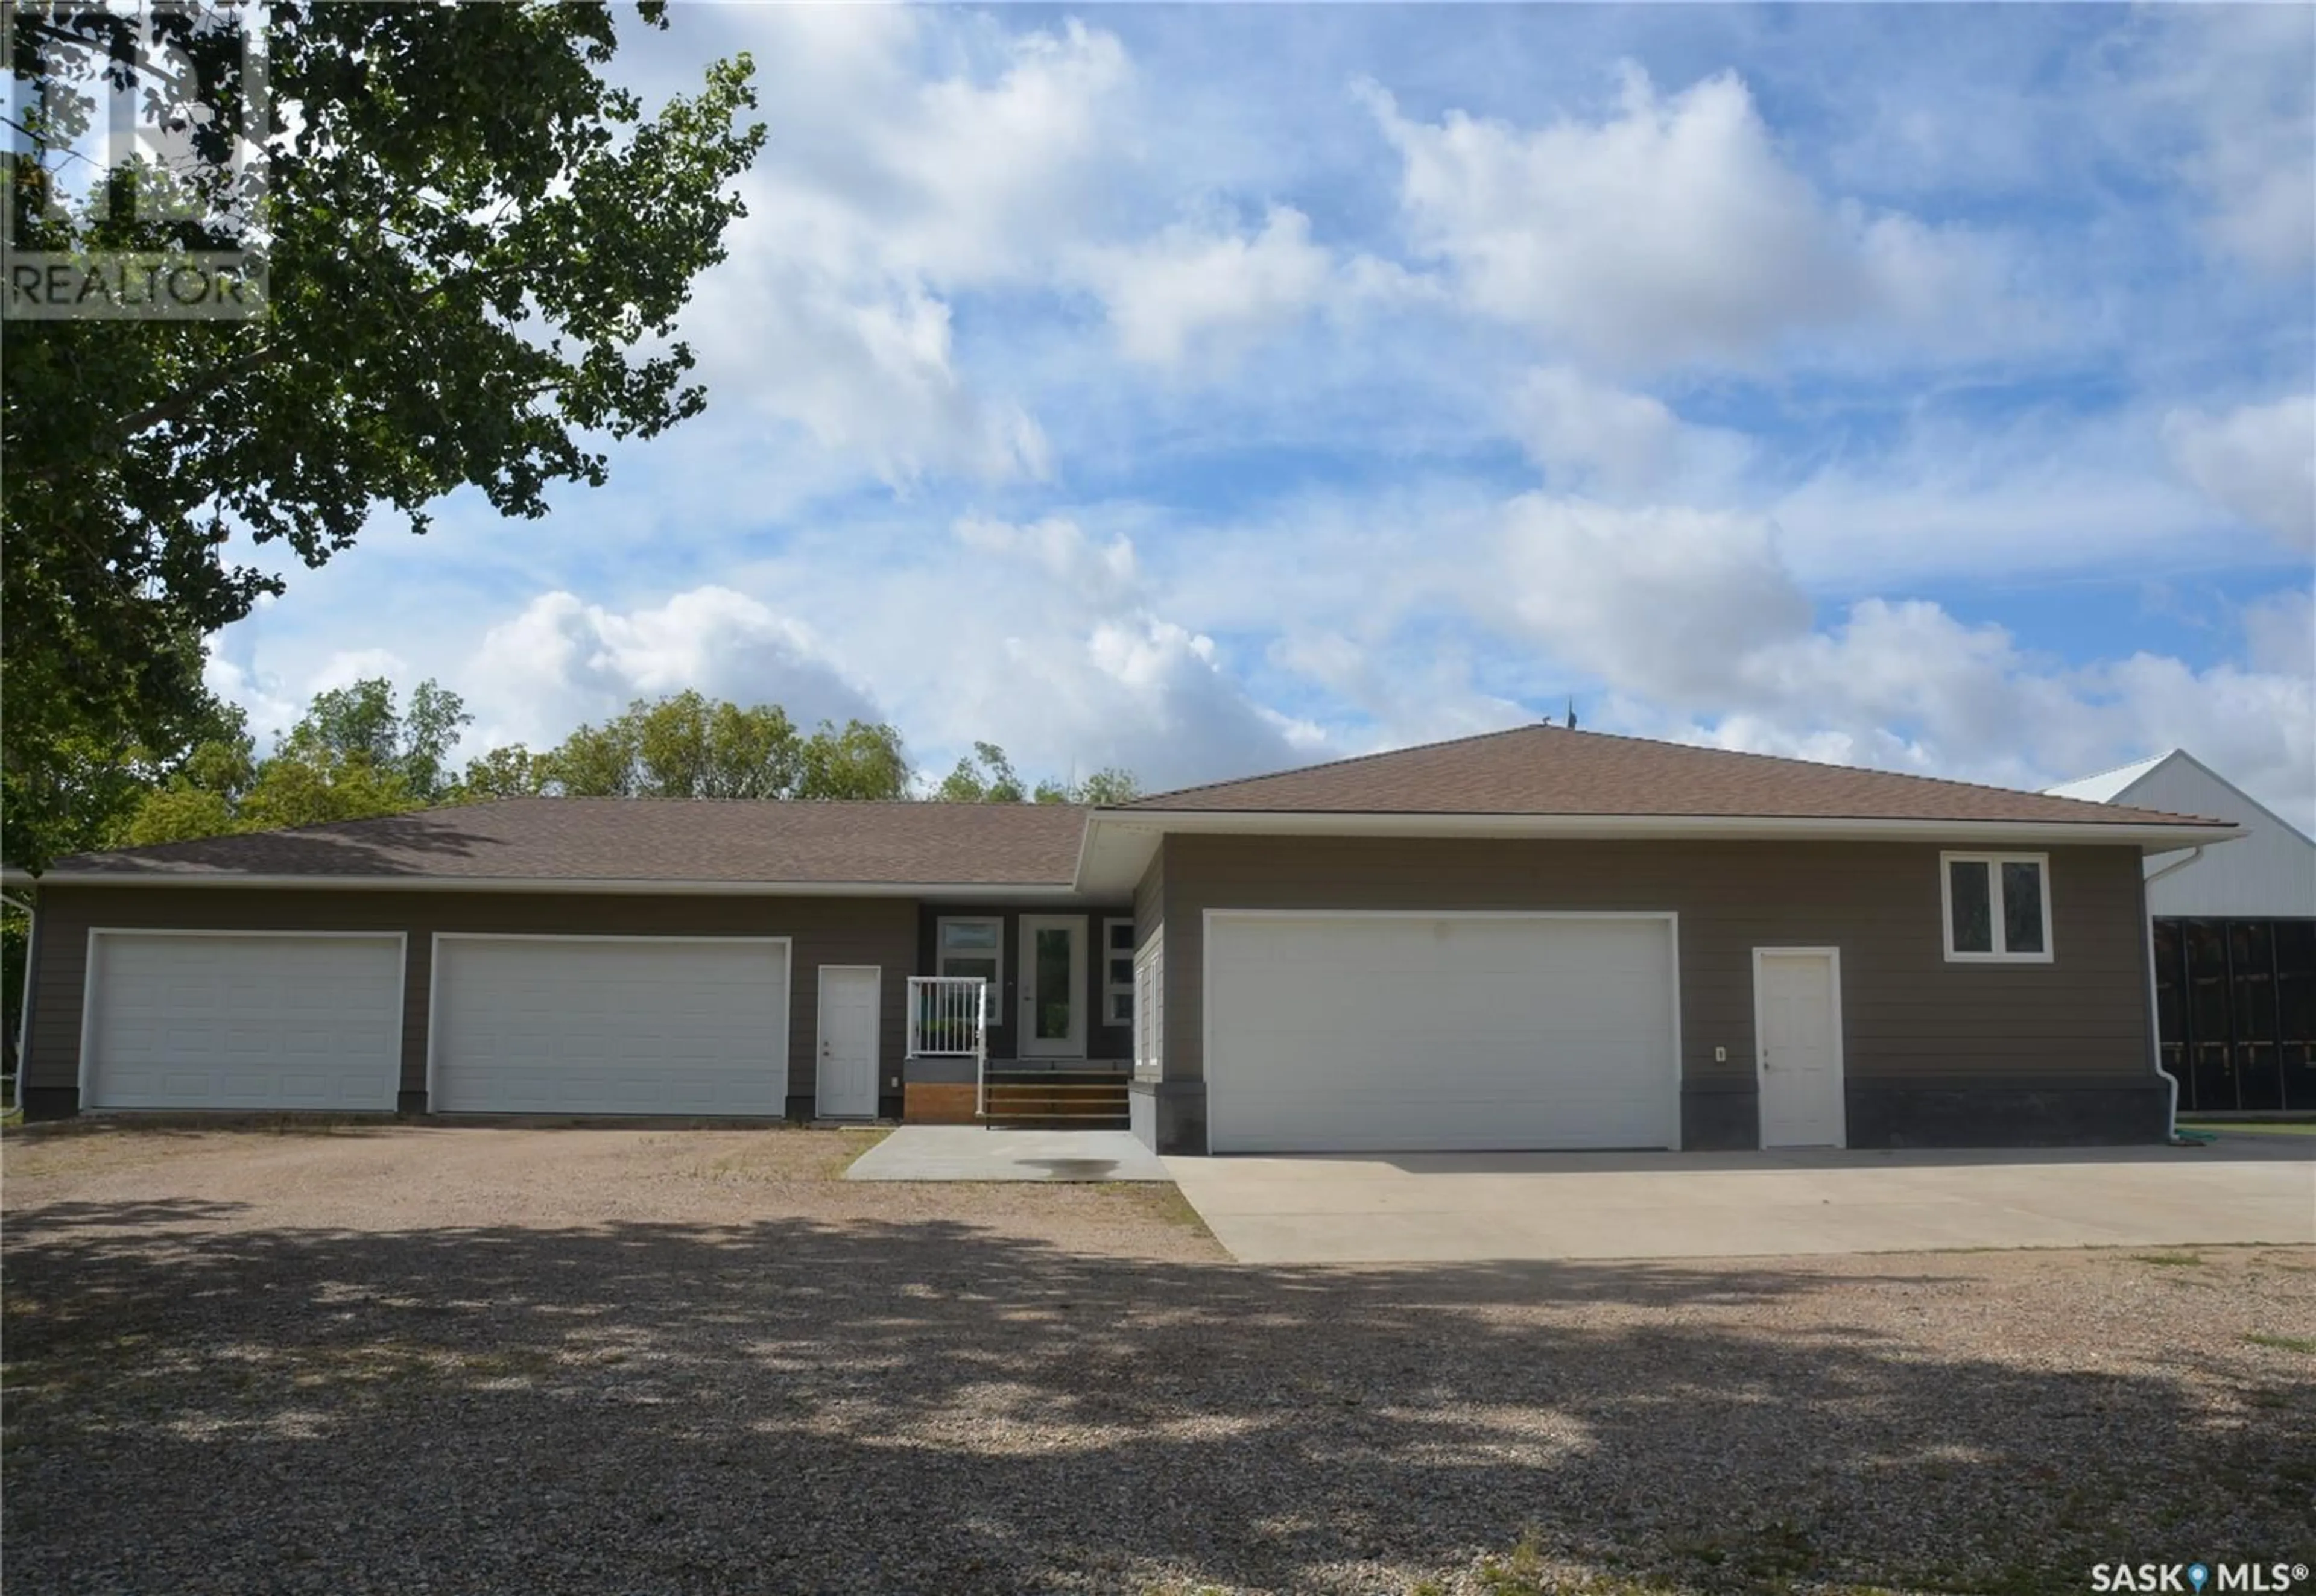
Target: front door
point(1053, 986)
point(846, 1086)
point(1798, 1010)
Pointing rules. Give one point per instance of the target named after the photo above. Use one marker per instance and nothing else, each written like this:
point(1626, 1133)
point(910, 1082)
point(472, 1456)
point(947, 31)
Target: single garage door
point(1398, 1032)
point(611, 1026)
point(242, 1020)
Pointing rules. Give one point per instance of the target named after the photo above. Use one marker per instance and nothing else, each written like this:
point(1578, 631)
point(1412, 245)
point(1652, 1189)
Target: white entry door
point(1053, 985)
point(847, 1087)
point(1797, 1011)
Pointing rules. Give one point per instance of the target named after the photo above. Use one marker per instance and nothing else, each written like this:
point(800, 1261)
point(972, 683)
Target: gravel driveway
point(451, 1360)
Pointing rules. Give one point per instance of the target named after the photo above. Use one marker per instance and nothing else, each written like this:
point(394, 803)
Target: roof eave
point(946, 891)
point(2149, 838)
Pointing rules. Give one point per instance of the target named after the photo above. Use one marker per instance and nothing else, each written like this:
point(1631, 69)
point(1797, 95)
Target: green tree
point(363, 724)
point(510, 772)
point(476, 249)
point(688, 745)
point(1109, 786)
point(355, 754)
point(857, 760)
point(988, 776)
point(984, 777)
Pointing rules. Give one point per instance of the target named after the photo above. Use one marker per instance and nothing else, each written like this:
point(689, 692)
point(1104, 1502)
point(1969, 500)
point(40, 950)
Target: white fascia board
point(958, 891)
point(2154, 838)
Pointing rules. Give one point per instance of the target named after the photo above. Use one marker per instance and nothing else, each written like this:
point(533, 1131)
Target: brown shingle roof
point(645, 839)
point(1545, 770)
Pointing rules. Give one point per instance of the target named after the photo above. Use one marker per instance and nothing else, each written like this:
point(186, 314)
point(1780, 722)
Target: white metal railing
point(948, 1018)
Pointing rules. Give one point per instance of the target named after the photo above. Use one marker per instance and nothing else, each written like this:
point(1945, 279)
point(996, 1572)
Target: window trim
point(1150, 1017)
point(1992, 863)
point(1110, 989)
point(996, 952)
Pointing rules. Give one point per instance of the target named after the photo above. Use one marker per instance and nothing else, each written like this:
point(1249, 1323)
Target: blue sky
point(1206, 389)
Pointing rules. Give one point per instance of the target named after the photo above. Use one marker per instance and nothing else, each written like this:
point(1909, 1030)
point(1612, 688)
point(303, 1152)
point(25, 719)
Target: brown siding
point(880, 931)
point(1907, 1013)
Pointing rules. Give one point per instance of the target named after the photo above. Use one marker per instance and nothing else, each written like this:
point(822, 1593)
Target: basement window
point(1997, 907)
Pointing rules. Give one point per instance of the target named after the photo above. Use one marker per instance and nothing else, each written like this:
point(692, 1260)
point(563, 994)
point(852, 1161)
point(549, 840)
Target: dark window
point(2210, 1061)
point(1974, 913)
point(2296, 981)
point(2022, 906)
point(2295, 1010)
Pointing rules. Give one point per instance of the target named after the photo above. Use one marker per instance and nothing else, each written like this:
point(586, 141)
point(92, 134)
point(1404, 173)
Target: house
point(1534, 938)
point(2233, 933)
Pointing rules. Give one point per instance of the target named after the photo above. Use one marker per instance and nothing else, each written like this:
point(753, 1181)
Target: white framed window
point(970, 945)
point(1997, 907)
point(1118, 972)
point(1150, 1006)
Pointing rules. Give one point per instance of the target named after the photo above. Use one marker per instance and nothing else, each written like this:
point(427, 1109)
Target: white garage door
point(1381, 1033)
point(614, 1025)
point(177, 1020)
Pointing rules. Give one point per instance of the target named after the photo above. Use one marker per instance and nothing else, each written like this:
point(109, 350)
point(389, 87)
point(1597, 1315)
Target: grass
point(2169, 1260)
point(1162, 1200)
point(2288, 1344)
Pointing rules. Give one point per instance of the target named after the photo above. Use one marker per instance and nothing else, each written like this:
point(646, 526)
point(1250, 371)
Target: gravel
point(410, 1358)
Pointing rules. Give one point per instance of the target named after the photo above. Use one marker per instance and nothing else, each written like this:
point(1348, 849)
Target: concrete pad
point(972, 1153)
point(1443, 1208)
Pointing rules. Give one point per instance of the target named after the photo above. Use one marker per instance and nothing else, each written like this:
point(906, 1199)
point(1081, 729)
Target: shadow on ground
point(937, 1407)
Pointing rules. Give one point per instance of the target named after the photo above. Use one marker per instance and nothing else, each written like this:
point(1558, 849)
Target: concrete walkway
point(1444, 1208)
point(969, 1153)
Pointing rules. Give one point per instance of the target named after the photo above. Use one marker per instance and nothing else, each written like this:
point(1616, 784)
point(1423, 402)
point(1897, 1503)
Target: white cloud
point(2258, 461)
point(880, 194)
point(1955, 499)
point(1658, 600)
point(2236, 79)
point(1103, 574)
point(272, 710)
point(1672, 230)
point(562, 661)
point(1051, 645)
point(2280, 633)
point(1696, 629)
point(1587, 434)
point(1194, 284)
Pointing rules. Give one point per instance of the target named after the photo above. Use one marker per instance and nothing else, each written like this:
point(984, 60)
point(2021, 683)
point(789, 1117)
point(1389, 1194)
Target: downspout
point(2154, 1019)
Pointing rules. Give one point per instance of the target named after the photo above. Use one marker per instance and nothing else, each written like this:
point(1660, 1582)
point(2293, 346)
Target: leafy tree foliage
point(476, 249)
point(984, 777)
point(686, 747)
point(355, 754)
point(988, 776)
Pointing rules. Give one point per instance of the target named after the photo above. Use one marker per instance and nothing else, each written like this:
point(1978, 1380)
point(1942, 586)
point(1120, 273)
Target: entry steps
point(1056, 1100)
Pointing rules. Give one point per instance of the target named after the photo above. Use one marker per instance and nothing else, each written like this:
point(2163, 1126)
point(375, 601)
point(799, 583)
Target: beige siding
point(1907, 1013)
point(1150, 898)
point(877, 931)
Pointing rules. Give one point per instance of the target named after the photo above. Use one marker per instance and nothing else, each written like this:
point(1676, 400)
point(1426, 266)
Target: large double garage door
point(1338, 1033)
point(518, 1025)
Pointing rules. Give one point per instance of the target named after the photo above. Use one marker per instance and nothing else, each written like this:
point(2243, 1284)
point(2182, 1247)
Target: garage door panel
point(629, 1025)
point(244, 1020)
point(1357, 1033)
